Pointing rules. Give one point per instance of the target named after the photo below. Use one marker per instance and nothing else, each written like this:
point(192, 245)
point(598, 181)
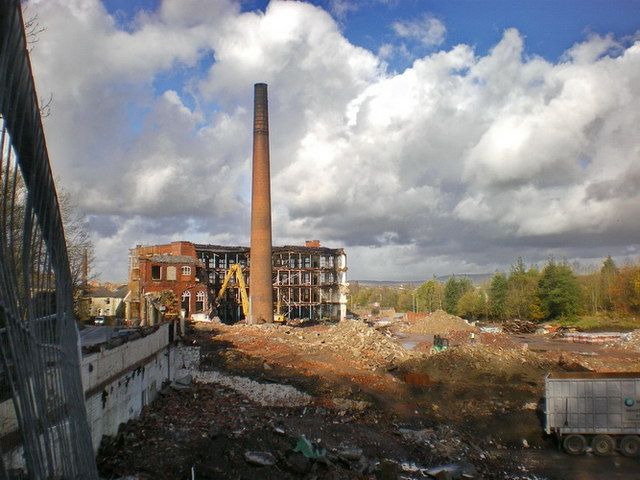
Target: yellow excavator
point(236, 269)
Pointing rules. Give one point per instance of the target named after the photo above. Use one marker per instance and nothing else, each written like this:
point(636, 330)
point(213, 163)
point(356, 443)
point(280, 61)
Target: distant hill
point(476, 279)
point(386, 283)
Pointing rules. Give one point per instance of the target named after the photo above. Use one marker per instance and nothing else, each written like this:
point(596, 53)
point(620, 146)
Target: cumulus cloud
point(459, 163)
point(428, 30)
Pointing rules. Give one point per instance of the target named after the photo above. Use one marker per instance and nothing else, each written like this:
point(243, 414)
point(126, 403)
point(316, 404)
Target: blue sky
point(425, 137)
point(549, 26)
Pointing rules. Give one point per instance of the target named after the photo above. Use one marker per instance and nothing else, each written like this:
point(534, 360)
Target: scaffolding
point(310, 282)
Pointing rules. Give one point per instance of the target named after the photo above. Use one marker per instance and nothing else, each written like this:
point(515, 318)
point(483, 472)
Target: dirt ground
point(378, 409)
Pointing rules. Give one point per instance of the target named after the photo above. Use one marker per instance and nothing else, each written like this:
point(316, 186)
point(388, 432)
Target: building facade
point(106, 302)
point(309, 281)
point(165, 280)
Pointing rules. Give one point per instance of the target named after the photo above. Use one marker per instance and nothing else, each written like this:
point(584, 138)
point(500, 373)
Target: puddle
point(410, 341)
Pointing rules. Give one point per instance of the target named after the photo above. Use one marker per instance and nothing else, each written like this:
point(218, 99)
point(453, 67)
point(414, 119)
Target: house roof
point(103, 292)
point(122, 291)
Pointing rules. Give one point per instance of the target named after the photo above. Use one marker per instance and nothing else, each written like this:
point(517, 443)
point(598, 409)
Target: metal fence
point(43, 426)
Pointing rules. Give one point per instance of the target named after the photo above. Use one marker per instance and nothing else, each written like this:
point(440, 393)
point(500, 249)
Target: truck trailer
point(601, 410)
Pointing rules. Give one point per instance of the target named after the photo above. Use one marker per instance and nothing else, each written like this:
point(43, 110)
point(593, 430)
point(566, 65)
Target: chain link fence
point(43, 424)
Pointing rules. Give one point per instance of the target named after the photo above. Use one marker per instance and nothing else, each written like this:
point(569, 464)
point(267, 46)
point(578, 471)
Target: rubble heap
point(207, 431)
point(486, 358)
point(360, 340)
point(632, 343)
point(438, 323)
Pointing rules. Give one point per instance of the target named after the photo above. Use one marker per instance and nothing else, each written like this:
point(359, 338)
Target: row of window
point(298, 261)
point(156, 272)
point(200, 300)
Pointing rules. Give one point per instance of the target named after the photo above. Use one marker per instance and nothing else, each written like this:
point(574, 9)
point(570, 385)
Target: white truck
point(600, 410)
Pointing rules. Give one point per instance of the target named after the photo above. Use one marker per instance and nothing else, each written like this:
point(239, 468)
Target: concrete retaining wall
point(120, 381)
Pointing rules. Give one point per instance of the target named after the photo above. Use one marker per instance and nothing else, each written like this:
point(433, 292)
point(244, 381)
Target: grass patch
point(599, 323)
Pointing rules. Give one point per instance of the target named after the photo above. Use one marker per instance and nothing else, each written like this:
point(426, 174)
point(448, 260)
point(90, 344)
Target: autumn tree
point(626, 290)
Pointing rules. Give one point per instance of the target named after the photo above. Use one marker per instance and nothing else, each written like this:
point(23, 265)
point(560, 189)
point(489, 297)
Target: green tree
point(388, 297)
point(472, 305)
point(522, 291)
point(608, 273)
point(430, 296)
point(454, 289)
point(404, 302)
point(360, 296)
point(558, 290)
point(498, 296)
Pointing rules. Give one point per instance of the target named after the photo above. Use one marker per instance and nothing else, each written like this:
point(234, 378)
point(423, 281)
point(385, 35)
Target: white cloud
point(428, 30)
point(341, 8)
point(459, 163)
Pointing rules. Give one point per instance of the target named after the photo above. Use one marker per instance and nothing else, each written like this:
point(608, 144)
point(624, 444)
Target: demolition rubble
point(357, 400)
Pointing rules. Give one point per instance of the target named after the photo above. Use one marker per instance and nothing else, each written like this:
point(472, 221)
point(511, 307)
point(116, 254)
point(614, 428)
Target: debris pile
point(632, 341)
point(352, 338)
point(437, 323)
point(208, 431)
point(363, 407)
point(265, 394)
point(518, 326)
point(360, 340)
point(490, 359)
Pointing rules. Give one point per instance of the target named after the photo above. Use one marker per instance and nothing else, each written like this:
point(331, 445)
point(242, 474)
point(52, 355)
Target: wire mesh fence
point(43, 426)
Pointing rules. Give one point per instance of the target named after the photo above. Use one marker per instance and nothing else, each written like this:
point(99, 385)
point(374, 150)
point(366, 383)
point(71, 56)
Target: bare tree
point(32, 28)
point(80, 251)
point(78, 239)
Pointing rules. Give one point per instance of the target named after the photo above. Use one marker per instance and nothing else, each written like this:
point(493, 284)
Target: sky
point(424, 137)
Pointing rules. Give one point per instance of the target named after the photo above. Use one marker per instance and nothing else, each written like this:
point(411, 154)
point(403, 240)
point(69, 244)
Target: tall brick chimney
point(260, 282)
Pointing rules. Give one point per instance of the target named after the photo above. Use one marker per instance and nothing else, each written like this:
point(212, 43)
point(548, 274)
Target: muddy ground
point(379, 410)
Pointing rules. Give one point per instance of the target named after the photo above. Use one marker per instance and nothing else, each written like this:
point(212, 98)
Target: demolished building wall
point(159, 271)
point(308, 281)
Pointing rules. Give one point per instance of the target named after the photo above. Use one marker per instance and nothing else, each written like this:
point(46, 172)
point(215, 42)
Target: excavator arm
point(235, 269)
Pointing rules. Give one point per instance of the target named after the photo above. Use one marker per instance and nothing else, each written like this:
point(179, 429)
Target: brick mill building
point(308, 281)
point(157, 269)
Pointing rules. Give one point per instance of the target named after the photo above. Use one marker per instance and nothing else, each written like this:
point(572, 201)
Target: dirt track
point(473, 403)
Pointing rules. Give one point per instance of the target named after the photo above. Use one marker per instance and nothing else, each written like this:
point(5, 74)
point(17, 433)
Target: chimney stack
point(260, 286)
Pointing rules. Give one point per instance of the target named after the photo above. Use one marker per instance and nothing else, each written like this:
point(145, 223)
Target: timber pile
point(518, 326)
